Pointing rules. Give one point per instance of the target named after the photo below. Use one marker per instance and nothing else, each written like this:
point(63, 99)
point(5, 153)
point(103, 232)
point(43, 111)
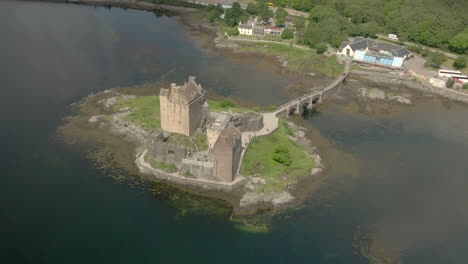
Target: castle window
point(171, 152)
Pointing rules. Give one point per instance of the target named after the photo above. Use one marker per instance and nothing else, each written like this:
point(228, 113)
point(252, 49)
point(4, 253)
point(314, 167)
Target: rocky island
point(210, 146)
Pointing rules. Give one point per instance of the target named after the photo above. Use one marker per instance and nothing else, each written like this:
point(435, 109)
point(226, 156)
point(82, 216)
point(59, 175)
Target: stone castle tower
point(227, 153)
point(182, 108)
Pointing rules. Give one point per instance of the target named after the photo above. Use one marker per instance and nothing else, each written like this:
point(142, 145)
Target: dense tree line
point(435, 23)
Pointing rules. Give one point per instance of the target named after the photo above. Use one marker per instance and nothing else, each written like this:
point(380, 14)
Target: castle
point(182, 108)
point(184, 111)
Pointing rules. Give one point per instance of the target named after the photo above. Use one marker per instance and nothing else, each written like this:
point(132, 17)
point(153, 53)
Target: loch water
point(402, 178)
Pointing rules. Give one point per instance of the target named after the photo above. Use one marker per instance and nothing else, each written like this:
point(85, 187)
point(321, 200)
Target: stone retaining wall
point(145, 168)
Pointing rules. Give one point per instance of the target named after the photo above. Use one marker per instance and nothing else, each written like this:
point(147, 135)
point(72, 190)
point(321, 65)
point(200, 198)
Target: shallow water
point(401, 177)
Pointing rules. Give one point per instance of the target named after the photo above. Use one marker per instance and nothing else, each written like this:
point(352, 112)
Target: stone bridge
point(309, 100)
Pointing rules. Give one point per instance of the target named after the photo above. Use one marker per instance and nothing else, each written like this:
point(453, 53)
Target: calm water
point(409, 187)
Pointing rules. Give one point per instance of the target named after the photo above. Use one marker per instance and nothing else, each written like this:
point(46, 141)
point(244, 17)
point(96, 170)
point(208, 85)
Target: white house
point(245, 29)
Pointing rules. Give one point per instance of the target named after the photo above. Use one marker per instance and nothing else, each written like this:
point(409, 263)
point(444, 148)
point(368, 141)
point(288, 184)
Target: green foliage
point(321, 47)
point(436, 23)
point(265, 12)
point(435, 59)
point(234, 31)
point(280, 15)
point(459, 43)
point(214, 12)
point(145, 111)
point(465, 86)
point(288, 33)
point(299, 22)
point(178, 3)
point(226, 105)
point(233, 15)
point(286, 127)
point(450, 82)
point(281, 155)
point(460, 62)
point(259, 160)
point(271, 108)
point(369, 29)
point(252, 9)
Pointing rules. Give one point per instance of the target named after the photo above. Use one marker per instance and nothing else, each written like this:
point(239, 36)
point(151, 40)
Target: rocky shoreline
point(408, 81)
point(245, 197)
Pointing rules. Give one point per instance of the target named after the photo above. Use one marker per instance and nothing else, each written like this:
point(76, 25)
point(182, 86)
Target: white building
point(245, 29)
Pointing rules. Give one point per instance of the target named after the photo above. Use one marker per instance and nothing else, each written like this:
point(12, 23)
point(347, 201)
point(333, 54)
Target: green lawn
point(227, 105)
point(259, 160)
point(145, 111)
point(299, 60)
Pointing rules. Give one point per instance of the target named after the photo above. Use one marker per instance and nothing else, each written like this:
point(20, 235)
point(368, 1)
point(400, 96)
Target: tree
point(436, 59)
point(321, 47)
point(265, 12)
point(233, 14)
point(281, 15)
point(288, 33)
point(459, 43)
point(465, 86)
point(252, 9)
point(369, 29)
point(450, 82)
point(299, 22)
point(460, 62)
point(233, 31)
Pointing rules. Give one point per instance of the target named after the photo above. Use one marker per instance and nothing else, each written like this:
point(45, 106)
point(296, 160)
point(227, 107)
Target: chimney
point(192, 79)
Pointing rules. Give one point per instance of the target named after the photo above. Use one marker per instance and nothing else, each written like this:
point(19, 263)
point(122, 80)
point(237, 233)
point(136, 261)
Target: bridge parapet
point(314, 97)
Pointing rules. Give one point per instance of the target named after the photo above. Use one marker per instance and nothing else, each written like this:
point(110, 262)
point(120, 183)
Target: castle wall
point(223, 164)
point(198, 169)
point(167, 153)
point(251, 121)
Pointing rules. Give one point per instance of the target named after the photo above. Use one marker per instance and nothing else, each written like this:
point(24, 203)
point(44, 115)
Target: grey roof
point(191, 90)
point(247, 26)
point(258, 30)
point(361, 43)
point(343, 45)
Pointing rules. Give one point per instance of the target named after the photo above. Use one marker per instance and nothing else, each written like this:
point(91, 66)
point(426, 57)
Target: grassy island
point(277, 159)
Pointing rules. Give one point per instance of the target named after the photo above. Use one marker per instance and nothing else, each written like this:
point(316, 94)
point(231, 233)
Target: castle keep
point(182, 108)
